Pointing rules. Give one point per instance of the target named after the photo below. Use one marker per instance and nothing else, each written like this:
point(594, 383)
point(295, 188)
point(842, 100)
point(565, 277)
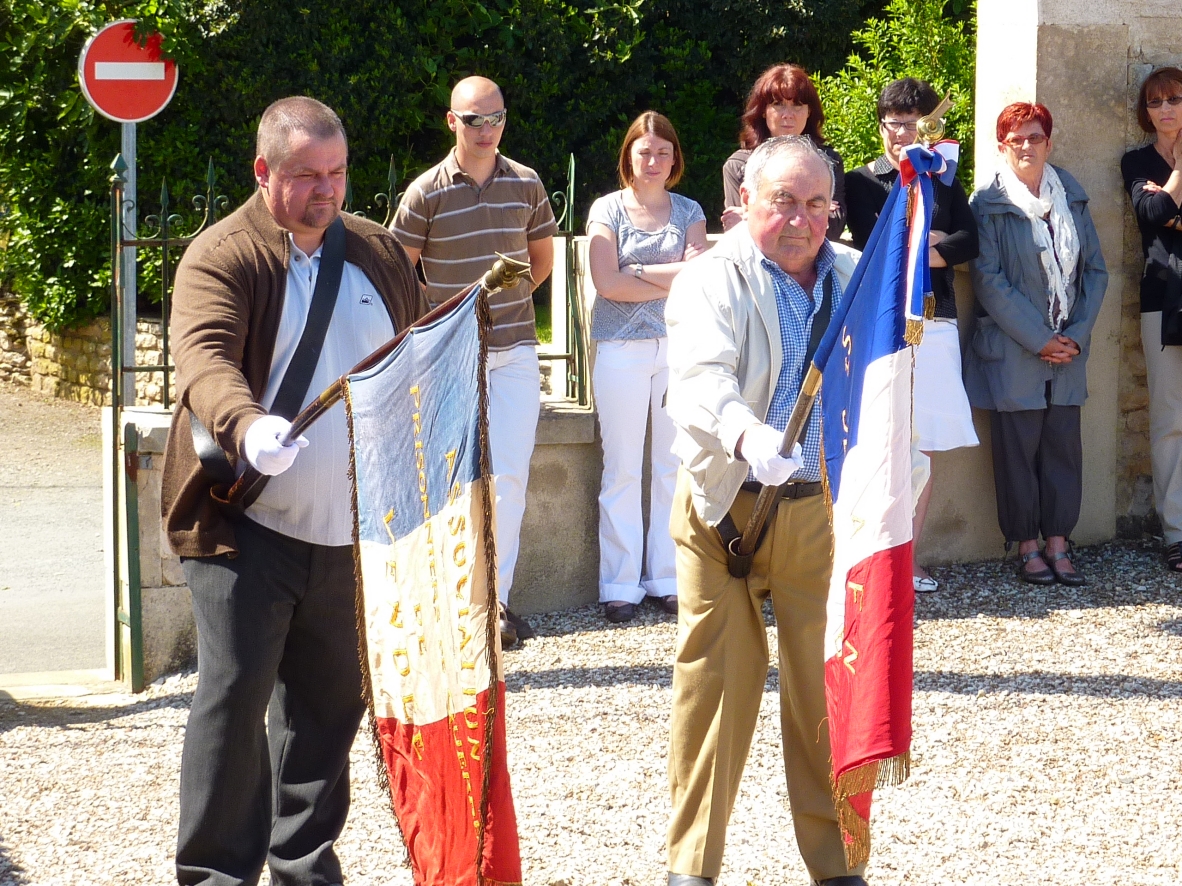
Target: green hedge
point(574, 72)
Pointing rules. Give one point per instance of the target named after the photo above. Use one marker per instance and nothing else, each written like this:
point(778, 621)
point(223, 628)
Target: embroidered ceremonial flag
point(866, 364)
point(427, 618)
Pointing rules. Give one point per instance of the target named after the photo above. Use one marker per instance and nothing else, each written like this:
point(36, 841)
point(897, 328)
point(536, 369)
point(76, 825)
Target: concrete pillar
point(1079, 58)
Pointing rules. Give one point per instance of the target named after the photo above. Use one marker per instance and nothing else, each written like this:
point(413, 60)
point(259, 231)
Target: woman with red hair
point(783, 101)
point(1039, 280)
point(1153, 178)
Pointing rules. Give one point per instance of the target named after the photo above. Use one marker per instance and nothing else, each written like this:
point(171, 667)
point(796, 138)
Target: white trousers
point(514, 398)
point(630, 379)
point(1163, 369)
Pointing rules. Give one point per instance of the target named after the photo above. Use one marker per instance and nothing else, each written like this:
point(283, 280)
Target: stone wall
point(14, 354)
point(1086, 60)
point(75, 364)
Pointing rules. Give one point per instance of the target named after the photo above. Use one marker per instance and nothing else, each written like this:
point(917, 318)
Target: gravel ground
point(1048, 749)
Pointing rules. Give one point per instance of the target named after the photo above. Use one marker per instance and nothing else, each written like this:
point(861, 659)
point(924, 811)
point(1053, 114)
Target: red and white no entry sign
point(126, 82)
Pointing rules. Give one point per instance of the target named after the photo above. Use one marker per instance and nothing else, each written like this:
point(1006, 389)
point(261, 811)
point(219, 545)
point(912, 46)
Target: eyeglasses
point(495, 119)
point(1173, 101)
point(1016, 141)
point(900, 126)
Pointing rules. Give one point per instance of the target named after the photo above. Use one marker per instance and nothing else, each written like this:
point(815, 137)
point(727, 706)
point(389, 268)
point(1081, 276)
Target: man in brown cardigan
point(273, 590)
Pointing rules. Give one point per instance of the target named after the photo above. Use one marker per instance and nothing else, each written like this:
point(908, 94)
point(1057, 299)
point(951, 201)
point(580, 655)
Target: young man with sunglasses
point(453, 221)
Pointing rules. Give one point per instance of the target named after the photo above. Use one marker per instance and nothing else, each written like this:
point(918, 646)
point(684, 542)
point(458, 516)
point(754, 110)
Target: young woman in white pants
point(641, 236)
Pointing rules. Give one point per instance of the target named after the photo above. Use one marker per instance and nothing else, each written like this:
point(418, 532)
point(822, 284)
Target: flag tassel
point(913, 334)
point(855, 830)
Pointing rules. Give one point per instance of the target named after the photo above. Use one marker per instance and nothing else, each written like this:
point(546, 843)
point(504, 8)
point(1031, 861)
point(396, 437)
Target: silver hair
point(296, 113)
point(800, 145)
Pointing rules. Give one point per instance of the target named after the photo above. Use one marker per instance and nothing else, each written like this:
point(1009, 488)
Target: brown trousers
point(720, 672)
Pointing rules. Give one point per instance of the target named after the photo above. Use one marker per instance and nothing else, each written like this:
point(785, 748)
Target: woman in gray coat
point(1039, 281)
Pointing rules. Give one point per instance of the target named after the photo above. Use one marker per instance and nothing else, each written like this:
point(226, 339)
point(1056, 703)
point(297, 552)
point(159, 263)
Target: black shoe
point(618, 613)
point(524, 631)
point(847, 880)
point(667, 603)
point(1073, 579)
point(508, 632)
point(689, 880)
point(1042, 577)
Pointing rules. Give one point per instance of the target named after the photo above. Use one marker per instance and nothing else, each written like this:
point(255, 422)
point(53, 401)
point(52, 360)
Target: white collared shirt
point(311, 500)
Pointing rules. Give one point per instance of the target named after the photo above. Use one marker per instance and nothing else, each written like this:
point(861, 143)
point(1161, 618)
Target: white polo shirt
point(311, 500)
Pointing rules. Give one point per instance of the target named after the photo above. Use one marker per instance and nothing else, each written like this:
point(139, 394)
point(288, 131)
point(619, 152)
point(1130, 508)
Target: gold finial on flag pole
point(930, 127)
point(504, 273)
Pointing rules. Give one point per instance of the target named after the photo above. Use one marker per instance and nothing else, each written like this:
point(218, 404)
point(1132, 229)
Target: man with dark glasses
point(453, 221)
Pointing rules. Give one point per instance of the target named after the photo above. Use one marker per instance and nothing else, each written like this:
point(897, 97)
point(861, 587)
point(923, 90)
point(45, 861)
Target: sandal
point(1174, 557)
point(1042, 577)
point(1073, 579)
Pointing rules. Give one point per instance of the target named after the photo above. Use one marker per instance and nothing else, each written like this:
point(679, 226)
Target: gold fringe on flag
point(913, 334)
point(826, 490)
point(854, 829)
point(929, 306)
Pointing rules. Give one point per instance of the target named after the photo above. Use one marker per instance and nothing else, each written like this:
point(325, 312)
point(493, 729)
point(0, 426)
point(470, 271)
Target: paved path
point(51, 547)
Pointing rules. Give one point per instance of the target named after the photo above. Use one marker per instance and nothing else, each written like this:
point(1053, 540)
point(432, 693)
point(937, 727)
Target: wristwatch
point(637, 270)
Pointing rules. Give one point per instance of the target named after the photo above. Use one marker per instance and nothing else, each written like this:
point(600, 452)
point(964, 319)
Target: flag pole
point(741, 551)
point(505, 272)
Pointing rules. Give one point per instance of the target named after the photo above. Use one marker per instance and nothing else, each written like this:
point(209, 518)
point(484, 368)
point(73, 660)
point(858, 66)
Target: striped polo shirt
point(460, 228)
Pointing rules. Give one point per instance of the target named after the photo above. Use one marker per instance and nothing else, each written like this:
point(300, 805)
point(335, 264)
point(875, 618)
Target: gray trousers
point(277, 637)
point(1037, 471)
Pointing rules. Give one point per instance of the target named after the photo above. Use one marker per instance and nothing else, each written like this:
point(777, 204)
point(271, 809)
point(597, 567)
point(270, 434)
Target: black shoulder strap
point(294, 387)
point(820, 319)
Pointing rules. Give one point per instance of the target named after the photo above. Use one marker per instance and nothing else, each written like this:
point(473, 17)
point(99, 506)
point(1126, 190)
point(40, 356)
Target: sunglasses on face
point(495, 119)
point(1016, 141)
point(900, 126)
point(1173, 101)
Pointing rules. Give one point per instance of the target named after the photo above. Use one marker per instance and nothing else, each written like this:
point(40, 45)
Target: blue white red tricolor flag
point(429, 641)
point(866, 363)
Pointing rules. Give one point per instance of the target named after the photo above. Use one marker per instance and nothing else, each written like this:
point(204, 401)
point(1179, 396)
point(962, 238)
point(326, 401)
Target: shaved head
point(474, 89)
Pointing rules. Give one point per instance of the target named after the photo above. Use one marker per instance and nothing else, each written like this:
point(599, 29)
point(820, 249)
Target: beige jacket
point(724, 359)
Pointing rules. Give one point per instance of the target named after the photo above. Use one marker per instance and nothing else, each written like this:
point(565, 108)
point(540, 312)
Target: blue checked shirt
point(796, 309)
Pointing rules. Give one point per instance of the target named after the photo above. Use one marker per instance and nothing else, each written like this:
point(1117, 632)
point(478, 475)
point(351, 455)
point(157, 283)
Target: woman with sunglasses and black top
point(1153, 178)
point(783, 101)
point(943, 418)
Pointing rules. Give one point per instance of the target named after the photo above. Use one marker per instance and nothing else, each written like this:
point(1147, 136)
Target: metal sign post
point(127, 81)
point(127, 381)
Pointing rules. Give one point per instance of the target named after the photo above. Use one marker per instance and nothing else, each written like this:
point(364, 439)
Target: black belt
point(788, 490)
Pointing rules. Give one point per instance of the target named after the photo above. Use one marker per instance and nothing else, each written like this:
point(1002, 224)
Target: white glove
point(261, 445)
point(761, 449)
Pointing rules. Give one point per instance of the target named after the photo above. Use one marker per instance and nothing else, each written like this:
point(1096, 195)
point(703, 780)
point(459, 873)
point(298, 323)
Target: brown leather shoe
point(618, 612)
point(667, 603)
point(1041, 577)
point(508, 632)
point(523, 628)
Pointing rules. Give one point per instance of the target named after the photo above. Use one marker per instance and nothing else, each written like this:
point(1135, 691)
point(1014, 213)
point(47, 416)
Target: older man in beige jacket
point(739, 322)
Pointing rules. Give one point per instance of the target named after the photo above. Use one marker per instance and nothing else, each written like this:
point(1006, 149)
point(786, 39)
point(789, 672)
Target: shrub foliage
point(574, 73)
point(929, 39)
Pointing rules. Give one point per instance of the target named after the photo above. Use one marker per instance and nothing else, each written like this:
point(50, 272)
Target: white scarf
point(1059, 241)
